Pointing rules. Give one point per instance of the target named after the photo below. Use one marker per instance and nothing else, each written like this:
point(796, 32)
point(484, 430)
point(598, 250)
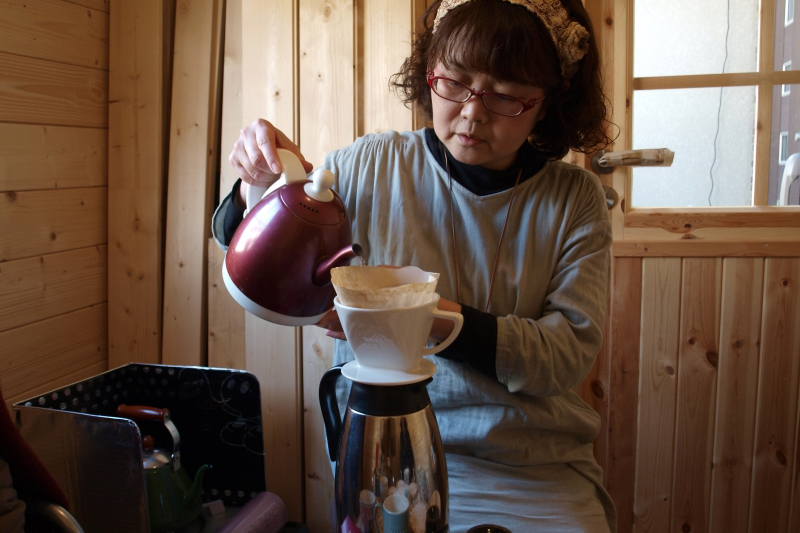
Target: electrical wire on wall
point(719, 108)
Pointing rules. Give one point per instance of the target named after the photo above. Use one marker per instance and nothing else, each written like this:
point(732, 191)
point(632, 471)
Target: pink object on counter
point(266, 513)
point(349, 527)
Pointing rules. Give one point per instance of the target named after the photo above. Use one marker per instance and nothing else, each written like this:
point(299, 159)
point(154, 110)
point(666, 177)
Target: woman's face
point(473, 134)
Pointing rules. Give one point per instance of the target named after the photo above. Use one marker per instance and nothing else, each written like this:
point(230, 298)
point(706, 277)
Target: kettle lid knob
point(319, 188)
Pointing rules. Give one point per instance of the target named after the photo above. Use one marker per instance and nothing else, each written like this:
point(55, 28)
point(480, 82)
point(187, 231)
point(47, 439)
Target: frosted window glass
point(694, 123)
point(679, 37)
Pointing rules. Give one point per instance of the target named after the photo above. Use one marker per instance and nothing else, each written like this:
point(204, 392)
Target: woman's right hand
point(255, 155)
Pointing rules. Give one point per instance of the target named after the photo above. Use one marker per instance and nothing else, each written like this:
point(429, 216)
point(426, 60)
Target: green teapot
point(173, 498)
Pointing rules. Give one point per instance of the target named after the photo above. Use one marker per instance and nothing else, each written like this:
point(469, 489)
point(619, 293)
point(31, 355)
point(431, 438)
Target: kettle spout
point(191, 498)
point(322, 272)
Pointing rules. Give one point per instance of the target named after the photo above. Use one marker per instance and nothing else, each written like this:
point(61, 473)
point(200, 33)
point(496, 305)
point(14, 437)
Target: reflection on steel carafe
point(391, 474)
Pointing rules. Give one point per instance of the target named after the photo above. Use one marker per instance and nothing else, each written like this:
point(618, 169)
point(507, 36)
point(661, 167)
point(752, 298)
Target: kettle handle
point(292, 171)
point(330, 409)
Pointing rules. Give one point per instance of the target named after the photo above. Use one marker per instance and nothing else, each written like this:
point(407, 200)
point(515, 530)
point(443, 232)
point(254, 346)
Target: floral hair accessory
point(571, 39)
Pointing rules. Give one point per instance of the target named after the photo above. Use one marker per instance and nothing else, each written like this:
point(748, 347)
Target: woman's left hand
point(331, 323)
point(442, 327)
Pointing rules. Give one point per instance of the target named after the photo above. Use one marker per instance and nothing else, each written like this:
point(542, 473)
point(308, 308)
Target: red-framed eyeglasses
point(499, 103)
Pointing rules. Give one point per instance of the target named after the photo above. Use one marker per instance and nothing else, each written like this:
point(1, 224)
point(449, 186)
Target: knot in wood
point(713, 358)
point(781, 457)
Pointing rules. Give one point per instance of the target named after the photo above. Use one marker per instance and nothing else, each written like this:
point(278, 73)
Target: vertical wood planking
point(766, 47)
point(661, 284)
point(611, 20)
point(418, 8)
point(385, 39)
point(192, 172)
point(232, 119)
point(624, 385)
point(788, 312)
point(737, 384)
point(226, 335)
point(136, 180)
point(319, 489)
point(776, 418)
point(697, 383)
point(326, 98)
point(269, 56)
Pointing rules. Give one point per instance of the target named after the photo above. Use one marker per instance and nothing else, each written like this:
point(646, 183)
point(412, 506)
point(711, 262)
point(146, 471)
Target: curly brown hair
point(490, 36)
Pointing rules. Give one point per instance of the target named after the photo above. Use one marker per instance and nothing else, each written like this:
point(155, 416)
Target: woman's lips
point(466, 140)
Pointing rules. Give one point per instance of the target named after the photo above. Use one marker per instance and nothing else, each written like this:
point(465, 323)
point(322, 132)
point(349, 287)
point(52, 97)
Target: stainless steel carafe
point(391, 475)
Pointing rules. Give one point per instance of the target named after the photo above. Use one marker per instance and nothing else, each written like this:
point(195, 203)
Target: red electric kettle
point(278, 264)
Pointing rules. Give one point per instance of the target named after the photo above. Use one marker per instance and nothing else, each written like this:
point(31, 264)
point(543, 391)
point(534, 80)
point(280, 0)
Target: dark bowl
point(488, 528)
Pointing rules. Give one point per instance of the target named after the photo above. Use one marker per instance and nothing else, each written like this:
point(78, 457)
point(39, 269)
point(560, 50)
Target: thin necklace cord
point(455, 241)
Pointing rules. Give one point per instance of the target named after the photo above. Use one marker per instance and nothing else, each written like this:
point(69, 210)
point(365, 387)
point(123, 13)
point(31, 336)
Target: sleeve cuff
point(476, 345)
point(233, 215)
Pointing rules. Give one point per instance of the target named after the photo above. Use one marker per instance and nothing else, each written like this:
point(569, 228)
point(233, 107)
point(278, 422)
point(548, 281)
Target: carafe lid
point(389, 400)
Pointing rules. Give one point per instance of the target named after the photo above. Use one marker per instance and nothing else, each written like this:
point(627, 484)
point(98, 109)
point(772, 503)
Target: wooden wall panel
point(70, 347)
point(383, 42)
point(72, 280)
point(269, 61)
point(51, 221)
point(661, 283)
point(737, 384)
point(35, 91)
point(52, 157)
point(193, 160)
point(623, 384)
point(326, 97)
point(53, 154)
point(226, 338)
point(100, 5)
point(776, 418)
point(140, 39)
point(54, 30)
point(697, 381)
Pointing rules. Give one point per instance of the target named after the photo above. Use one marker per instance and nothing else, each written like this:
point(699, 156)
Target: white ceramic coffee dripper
point(394, 339)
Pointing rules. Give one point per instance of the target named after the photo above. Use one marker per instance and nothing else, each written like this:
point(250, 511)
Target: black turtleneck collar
point(482, 181)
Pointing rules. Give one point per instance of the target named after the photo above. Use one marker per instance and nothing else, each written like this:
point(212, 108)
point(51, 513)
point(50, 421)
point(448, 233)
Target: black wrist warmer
point(476, 345)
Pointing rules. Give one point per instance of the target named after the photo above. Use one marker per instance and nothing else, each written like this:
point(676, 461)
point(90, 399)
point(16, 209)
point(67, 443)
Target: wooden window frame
point(756, 230)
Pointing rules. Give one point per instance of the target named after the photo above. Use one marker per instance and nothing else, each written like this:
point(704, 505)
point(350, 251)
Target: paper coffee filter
point(370, 287)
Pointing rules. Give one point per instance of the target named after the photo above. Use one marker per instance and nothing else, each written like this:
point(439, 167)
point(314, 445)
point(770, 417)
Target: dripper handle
point(458, 321)
point(330, 409)
point(292, 171)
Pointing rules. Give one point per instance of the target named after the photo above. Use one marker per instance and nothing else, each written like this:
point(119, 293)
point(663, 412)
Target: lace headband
point(571, 39)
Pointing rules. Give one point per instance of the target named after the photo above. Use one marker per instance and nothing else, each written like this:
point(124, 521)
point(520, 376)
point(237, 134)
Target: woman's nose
point(473, 109)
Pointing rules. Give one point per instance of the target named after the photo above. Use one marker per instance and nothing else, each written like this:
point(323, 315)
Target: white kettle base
point(261, 311)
